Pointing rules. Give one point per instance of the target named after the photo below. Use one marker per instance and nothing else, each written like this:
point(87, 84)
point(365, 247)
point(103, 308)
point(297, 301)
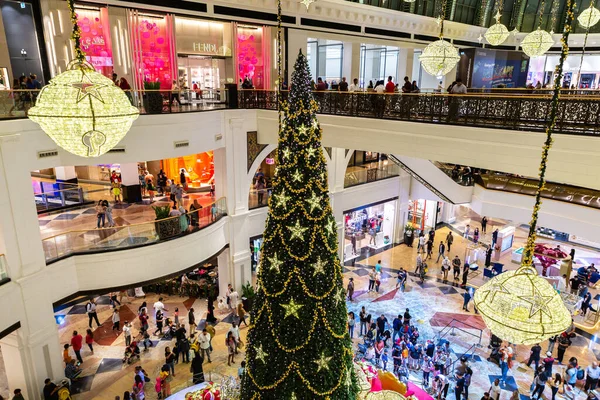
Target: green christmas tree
point(298, 342)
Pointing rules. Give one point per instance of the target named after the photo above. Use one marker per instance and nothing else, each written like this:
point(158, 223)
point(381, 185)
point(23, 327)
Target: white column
point(19, 226)
point(65, 174)
point(225, 273)
point(130, 175)
point(347, 61)
point(57, 33)
point(355, 62)
point(13, 354)
point(337, 173)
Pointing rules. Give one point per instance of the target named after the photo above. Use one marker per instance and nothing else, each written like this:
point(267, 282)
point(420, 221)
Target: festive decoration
point(298, 343)
point(537, 43)
point(307, 3)
point(211, 392)
point(520, 306)
point(497, 33)
point(230, 388)
point(84, 112)
point(439, 57)
point(589, 17)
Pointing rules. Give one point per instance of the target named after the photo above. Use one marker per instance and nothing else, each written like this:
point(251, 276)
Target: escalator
point(434, 179)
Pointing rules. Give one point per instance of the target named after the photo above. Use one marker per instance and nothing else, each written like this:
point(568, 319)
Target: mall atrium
point(284, 199)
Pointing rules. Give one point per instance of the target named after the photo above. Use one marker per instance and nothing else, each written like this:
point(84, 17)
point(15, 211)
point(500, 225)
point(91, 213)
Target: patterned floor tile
point(43, 222)
point(82, 385)
point(447, 290)
point(110, 364)
point(66, 217)
point(361, 272)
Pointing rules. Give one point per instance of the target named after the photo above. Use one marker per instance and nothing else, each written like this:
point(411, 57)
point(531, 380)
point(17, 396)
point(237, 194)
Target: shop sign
point(98, 61)
point(211, 48)
point(270, 161)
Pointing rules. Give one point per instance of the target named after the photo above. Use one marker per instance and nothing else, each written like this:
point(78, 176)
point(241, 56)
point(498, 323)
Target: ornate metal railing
point(579, 115)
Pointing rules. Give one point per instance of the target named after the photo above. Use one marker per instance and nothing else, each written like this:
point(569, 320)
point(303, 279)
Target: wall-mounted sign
point(211, 48)
point(270, 161)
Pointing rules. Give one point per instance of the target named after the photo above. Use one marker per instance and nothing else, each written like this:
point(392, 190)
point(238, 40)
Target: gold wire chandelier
point(589, 17)
point(497, 33)
point(537, 43)
point(83, 111)
point(439, 57)
point(521, 306)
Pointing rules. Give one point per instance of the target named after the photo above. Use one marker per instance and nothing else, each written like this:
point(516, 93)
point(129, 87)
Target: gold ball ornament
point(496, 34)
point(439, 57)
point(537, 43)
point(83, 111)
point(589, 17)
point(521, 307)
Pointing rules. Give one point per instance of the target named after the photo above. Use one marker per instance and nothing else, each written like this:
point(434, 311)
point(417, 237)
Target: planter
point(153, 103)
point(167, 229)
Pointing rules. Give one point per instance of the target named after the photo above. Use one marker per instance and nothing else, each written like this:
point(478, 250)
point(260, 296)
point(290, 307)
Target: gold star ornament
point(297, 176)
point(281, 199)
point(314, 202)
point(261, 354)
point(291, 309)
point(319, 267)
point(275, 263)
point(297, 231)
point(322, 362)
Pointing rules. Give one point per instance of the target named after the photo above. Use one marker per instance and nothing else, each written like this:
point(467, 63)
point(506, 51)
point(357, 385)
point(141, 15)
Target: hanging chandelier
point(439, 57)
point(497, 33)
point(589, 17)
point(81, 110)
point(537, 43)
point(522, 307)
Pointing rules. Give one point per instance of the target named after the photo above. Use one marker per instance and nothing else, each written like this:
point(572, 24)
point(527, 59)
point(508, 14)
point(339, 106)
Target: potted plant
point(165, 227)
point(248, 296)
point(409, 233)
point(153, 100)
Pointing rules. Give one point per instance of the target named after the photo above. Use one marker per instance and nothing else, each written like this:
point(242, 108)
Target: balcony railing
point(16, 103)
point(360, 176)
point(578, 114)
point(122, 237)
point(514, 109)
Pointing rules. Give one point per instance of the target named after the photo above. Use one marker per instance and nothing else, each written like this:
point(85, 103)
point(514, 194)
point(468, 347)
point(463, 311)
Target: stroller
point(495, 343)
point(170, 334)
point(132, 353)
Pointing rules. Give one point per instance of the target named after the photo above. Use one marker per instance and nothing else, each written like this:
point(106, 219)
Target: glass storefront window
point(199, 169)
point(371, 227)
point(541, 69)
point(154, 50)
point(325, 59)
point(377, 63)
point(95, 38)
point(251, 58)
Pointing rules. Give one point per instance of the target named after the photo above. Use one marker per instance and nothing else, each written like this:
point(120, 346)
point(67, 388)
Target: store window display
point(197, 169)
point(95, 38)
point(371, 227)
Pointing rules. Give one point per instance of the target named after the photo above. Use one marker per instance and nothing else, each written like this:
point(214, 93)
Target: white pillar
point(355, 62)
point(225, 273)
point(13, 354)
point(130, 183)
point(65, 174)
point(347, 61)
point(402, 214)
point(19, 226)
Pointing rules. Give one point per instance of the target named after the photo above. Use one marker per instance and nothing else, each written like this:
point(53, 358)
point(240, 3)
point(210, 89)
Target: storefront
point(425, 214)
point(370, 226)
point(576, 73)
point(20, 50)
point(95, 37)
point(204, 54)
point(255, 249)
point(487, 68)
point(199, 169)
point(253, 52)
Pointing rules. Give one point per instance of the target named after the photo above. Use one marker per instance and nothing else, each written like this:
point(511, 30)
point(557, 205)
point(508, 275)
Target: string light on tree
point(521, 306)
point(300, 312)
point(261, 355)
point(81, 110)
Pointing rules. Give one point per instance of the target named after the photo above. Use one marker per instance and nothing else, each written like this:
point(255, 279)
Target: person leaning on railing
point(453, 103)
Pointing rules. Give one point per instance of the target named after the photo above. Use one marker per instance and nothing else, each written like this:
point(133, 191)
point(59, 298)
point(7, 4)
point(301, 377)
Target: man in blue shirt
point(397, 326)
point(378, 266)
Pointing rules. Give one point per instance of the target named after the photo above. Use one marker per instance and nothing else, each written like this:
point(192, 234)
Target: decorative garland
point(76, 33)
point(530, 246)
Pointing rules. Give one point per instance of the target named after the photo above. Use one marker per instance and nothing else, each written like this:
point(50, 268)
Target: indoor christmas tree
point(298, 343)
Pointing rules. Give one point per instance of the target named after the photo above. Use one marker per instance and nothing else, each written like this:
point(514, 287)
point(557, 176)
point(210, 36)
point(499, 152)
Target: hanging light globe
point(537, 43)
point(589, 17)
point(521, 307)
point(83, 111)
point(496, 34)
point(439, 57)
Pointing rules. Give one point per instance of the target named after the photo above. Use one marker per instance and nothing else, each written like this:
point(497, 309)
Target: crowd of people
point(383, 86)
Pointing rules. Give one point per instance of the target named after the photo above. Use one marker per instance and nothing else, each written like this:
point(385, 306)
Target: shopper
point(456, 267)
point(563, 343)
point(231, 347)
point(350, 289)
point(170, 360)
point(365, 320)
point(100, 214)
point(534, 356)
point(372, 274)
point(441, 251)
point(89, 340)
point(76, 344)
point(449, 241)
point(592, 374)
point(555, 384)
point(540, 383)
point(204, 344)
point(484, 221)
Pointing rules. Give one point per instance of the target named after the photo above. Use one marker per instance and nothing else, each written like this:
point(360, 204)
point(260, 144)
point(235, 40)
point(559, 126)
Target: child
point(242, 370)
point(158, 387)
point(66, 356)
point(89, 340)
point(384, 359)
